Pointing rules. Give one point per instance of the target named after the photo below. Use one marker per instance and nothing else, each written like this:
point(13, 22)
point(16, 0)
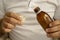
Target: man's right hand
point(10, 20)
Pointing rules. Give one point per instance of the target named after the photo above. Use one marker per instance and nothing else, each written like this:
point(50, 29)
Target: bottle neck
point(38, 11)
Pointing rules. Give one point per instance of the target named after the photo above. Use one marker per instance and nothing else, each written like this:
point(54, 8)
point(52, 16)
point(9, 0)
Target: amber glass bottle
point(43, 18)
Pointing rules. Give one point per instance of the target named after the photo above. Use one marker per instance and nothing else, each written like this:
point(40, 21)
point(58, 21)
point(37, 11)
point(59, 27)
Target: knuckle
point(6, 18)
point(11, 20)
point(4, 23)
point(8, 13)
point(11, 26)
point(11, 13)
point(7, 25)
point(51, 29)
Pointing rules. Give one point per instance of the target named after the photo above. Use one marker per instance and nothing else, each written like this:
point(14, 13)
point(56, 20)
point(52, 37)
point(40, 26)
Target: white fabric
point(57, 13)
point(30, 30)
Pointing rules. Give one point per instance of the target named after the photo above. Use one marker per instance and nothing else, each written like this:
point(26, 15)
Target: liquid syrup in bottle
point(43, 18)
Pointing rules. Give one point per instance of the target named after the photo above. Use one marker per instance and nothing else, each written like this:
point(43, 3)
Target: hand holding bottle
point(52, 27)
point(54, 31)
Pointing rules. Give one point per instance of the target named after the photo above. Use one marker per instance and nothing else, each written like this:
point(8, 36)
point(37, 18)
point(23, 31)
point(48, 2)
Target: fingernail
point(20, 23)
point(50, 25)
point(46, 30)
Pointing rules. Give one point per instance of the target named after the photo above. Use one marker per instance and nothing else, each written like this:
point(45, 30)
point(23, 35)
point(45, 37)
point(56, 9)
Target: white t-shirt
point(30, 30)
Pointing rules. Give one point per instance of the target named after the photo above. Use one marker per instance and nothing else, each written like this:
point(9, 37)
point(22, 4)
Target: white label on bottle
point(39, 11)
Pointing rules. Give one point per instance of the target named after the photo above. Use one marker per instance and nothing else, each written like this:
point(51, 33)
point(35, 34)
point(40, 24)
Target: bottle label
point(39, 11)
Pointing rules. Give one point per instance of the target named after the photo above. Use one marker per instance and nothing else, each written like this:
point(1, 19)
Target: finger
point(14, 15)
point(6, 30)
point(12, 20)
point(7, 25)
point(54, 35)
point(55, 23)
point(22, 19)
point(53, 29)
